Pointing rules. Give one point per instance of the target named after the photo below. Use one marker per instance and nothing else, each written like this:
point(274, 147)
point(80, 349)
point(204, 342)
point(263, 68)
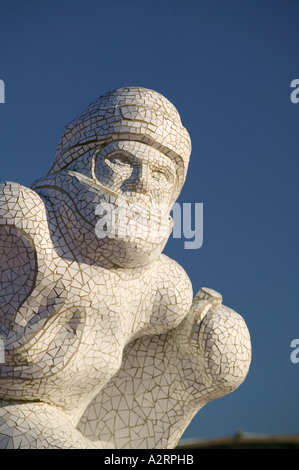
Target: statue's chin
point(135, 243)
point(129, 252)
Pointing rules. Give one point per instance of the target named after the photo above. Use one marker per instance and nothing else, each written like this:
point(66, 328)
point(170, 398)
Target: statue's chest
point(88, 333)
point(96, 325)
point(118, 308)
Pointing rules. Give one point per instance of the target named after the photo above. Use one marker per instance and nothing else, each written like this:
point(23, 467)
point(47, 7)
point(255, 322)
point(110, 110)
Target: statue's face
point(138, 183)
point(140, 173)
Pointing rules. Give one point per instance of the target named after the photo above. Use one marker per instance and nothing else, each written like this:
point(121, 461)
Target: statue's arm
point(17, 254)
point(24, 239)
point(165, 379)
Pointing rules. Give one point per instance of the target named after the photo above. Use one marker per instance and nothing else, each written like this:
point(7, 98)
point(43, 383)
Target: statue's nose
point(140, 179)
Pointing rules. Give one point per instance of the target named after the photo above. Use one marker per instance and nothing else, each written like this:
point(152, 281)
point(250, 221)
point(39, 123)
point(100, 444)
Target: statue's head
point(129, 145)
point(123, 118)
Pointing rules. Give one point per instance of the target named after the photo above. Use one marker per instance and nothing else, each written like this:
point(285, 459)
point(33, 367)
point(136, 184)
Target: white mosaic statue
point(105, 346)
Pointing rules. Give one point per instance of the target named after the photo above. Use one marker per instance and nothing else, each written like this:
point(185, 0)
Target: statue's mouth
point(128, 218)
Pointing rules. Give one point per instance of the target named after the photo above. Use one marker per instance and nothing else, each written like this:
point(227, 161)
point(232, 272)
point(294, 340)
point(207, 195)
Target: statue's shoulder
point(172, 277)
point(171, 268)
point(23, 220)
point(18, 204)
point(16, 197)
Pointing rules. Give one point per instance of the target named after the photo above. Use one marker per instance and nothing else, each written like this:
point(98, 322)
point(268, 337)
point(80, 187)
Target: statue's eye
point(119, 160)
point(159, 174)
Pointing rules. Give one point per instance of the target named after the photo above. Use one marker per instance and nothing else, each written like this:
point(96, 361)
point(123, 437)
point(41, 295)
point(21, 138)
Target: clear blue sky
point(227, 67)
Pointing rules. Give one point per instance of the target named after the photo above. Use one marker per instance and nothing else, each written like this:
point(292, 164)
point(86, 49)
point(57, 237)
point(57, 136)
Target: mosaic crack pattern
point(105, 345)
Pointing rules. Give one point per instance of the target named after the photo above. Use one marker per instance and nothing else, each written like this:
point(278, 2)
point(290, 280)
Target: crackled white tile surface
point(105, 346)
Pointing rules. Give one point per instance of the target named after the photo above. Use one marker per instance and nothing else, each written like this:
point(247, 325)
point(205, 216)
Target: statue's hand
point(217, 338)
point(187, 333)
